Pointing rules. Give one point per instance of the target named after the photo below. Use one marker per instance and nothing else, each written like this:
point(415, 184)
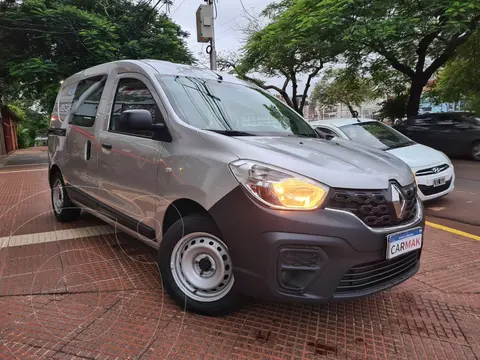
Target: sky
point(228, 25)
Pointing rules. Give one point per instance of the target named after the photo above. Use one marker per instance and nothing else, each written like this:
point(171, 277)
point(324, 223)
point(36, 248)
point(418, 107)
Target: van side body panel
point(141, 178)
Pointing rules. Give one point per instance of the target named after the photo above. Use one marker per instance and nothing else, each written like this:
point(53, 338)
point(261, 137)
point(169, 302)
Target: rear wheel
point(196, 267)
point(63, 208)
point(475, 152)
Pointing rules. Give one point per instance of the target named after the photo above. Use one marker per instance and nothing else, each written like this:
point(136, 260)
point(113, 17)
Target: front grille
point(374, 207)
point(432, 170)
point(376, 273)
point(296, 257)
point(431, 190)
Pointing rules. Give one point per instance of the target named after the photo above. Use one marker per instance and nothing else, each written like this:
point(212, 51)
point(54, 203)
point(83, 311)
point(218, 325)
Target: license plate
point(403, 242)
point(439, 181)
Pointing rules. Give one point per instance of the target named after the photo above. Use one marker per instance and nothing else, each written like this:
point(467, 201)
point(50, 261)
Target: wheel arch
point(51, 173)
point(179, 209)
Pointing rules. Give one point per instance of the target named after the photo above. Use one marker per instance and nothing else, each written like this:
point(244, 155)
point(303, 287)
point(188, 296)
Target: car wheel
point(196, 267)
point(63, 208)
point(475, 152)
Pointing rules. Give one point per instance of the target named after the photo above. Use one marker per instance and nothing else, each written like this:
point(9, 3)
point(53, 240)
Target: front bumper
point(426, 190)
point(313, 256)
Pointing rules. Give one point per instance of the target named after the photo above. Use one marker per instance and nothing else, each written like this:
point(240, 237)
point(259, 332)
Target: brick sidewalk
point(81, 291)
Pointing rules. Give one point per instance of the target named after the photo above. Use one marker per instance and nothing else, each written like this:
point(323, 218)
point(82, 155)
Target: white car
point(433, 169)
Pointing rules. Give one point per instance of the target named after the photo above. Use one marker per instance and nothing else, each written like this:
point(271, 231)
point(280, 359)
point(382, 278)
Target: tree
point(45, 41)
point(415, 38)
point(343, 86)
point(272, 53)
point(32, 124)
point(393, 108)
point(458, 81)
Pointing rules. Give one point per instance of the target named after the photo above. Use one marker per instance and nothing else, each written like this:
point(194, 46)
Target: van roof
point(154, 67)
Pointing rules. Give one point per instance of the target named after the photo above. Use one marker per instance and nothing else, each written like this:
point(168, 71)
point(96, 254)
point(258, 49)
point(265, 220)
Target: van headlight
point(279, 188)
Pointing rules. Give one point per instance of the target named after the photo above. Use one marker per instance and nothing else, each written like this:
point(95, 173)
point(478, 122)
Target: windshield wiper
point(304, 135)
point(231, 132)
point(407, 143)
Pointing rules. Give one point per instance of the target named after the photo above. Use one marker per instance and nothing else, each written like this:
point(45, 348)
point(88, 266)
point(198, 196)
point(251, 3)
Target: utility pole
point(206, 31)
point(213, 49)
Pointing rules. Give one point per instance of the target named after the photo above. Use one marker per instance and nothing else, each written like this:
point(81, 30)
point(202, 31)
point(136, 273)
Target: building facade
point(8, 131)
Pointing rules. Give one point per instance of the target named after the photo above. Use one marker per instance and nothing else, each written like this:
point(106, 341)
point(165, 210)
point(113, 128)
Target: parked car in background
point(454, 133)
point(433, 169)
point(235, 190)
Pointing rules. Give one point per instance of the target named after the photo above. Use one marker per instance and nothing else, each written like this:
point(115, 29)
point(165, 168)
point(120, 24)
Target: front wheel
point(475, 151)
point(196, 267)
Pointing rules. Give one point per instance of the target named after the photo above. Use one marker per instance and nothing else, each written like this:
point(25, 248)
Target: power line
point(177, 8)
point(158, 2)
point(244, 9)
point(226, 22)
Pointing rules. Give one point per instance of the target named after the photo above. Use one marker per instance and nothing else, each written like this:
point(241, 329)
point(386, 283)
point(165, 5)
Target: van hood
point(420, 156)
point(337, 163)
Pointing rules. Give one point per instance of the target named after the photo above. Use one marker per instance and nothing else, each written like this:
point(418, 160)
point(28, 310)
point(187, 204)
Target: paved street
point(26, 157)
point(84, 291)
point(461, 206)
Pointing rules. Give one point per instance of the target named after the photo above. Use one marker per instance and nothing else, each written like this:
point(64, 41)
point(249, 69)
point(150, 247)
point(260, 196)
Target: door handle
point(88, 150)
point(107, 146)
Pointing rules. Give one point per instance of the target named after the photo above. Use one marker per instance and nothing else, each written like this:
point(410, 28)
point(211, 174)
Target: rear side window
point(447, 120)
point(87, 111)
point(64, 101)
point(133, 94)
point(71, 93)
point(85, 84)
point(423, 121)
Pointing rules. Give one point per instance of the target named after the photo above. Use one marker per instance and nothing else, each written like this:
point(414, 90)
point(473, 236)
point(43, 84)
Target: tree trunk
point(298, 110)
point(294, 97)
point(352, 111)
point(415, 94)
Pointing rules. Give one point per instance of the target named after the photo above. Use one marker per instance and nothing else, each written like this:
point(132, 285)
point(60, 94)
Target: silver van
point(239, 195)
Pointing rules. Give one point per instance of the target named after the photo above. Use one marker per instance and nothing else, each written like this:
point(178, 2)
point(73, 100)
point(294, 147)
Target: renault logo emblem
point(398, 201)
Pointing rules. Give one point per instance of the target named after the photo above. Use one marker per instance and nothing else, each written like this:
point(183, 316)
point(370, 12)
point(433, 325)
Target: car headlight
point(447, 159)
point(279, 188)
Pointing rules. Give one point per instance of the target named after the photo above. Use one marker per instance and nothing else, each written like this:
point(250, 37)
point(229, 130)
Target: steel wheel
point(57, 196)
point(201, 267)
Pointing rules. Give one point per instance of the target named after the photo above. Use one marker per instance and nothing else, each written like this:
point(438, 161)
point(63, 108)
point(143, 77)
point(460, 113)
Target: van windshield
point(376, 134)
point(230, 108)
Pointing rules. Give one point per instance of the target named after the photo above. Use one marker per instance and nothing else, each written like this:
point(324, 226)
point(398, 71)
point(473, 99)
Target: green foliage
point(343, 86)
point(277, 51)
point(393, 108)
point(45, 41)
point(415, 38)
point(32, 123)
point(18, 111)
point(459, 80)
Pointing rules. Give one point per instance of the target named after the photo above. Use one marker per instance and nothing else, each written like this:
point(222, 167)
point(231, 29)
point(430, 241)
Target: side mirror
point(320, 133)
point(323, 134)
point(136, 120)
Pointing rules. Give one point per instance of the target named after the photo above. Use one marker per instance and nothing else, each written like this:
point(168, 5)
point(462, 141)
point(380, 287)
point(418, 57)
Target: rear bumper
point(315, 256)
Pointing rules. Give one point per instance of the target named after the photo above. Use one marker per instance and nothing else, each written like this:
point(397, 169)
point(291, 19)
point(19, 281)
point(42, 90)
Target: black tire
point(197, 223)
point(474, 151)
point(67, 211)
